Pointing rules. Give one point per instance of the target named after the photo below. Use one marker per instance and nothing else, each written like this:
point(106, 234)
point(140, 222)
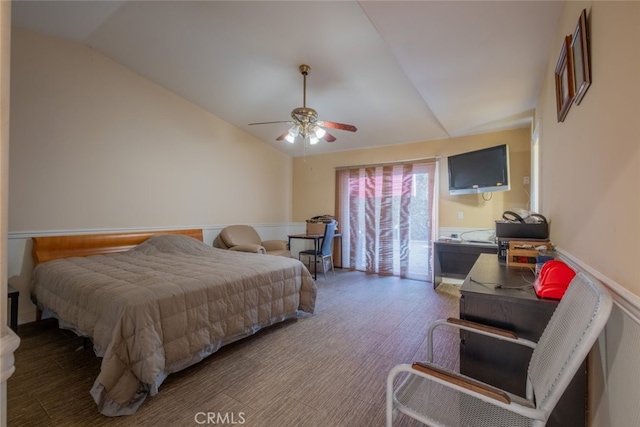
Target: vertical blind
point(386, 216)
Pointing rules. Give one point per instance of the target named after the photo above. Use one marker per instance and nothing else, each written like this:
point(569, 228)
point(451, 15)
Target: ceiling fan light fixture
point(320, 133)
point(293, 133)
point(313, 140)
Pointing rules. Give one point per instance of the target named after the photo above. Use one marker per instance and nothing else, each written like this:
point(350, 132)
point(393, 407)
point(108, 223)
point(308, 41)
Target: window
point(534, 203)
point(386, 215)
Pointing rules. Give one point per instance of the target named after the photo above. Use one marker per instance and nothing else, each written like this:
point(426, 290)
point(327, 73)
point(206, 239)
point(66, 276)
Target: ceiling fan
point(305, 120)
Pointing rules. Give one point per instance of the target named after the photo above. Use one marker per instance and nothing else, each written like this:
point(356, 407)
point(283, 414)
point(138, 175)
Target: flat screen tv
point(480, 171)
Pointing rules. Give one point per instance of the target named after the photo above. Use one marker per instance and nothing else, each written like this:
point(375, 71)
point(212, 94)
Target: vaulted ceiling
point(400, 71)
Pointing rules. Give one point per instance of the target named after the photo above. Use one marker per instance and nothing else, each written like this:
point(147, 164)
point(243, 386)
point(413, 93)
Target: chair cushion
point(310, 252)
point(282, 252)
point(275, 245)
point(249, 247)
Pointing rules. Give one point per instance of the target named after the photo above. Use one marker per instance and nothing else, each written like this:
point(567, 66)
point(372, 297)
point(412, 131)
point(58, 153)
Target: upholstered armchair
point(245, 238)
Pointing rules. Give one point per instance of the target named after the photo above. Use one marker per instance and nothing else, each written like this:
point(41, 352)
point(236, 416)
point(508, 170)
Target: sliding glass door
point(386, 216)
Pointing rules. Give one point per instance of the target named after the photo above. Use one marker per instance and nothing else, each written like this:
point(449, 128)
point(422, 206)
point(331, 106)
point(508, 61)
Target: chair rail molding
point(622, 297)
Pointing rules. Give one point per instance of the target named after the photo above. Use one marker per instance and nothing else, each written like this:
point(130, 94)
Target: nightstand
point(13, 295)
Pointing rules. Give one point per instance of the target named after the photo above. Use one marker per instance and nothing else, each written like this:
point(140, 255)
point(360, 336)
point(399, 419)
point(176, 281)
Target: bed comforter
point(165, 305)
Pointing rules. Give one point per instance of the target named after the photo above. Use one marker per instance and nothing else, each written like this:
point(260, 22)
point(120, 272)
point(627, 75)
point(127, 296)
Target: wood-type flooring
point(325, 370)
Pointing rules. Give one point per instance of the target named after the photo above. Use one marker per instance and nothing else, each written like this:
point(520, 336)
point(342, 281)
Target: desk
point(505, 364)
point(13, 295)
point(316, 244)
point(455, 259)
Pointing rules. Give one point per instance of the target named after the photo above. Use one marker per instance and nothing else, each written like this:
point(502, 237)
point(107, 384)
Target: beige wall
point(591, 161)
point(96, 146)
point(314, 177)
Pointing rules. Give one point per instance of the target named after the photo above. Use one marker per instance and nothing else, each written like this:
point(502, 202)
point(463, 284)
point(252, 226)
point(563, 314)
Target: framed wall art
point(581, 58)
point(565, 89)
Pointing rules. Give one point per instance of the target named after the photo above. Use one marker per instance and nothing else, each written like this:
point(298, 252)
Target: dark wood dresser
point(505, 364)
point(455, 259)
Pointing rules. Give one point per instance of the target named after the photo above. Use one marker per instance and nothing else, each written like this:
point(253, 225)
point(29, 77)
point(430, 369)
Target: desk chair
point(439, 397)
point(326, 249)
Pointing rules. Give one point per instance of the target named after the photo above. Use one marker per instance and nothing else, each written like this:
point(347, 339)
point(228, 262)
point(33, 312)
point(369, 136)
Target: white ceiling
point(401, 71)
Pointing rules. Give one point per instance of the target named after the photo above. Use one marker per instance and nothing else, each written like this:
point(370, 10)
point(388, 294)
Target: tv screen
point(480, 171)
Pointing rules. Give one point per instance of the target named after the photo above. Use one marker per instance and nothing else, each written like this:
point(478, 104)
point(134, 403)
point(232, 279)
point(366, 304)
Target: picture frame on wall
point(565, 89)
point(581, 58)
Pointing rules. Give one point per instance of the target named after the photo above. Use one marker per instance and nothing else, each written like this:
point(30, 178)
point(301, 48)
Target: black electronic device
point(480, 171)
point(523, 216)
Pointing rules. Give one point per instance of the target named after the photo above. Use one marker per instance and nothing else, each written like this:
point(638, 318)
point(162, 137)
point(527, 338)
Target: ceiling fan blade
point(339, 126)
point(281, 137)
point(268, 123)
point(328, 137)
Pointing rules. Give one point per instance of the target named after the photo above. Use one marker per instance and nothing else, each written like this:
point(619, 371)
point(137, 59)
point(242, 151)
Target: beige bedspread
point(165, 305)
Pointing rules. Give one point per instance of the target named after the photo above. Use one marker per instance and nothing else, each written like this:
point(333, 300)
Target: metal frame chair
point(325, 251)
point(439, 397)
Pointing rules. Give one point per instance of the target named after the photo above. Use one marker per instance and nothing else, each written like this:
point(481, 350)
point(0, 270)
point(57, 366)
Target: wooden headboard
point(55, 247)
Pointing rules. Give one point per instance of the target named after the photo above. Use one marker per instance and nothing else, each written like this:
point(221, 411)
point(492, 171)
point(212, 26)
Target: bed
point(155, 303)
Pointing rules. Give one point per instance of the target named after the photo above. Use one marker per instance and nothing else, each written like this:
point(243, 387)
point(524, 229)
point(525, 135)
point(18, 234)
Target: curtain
point(386, 216)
